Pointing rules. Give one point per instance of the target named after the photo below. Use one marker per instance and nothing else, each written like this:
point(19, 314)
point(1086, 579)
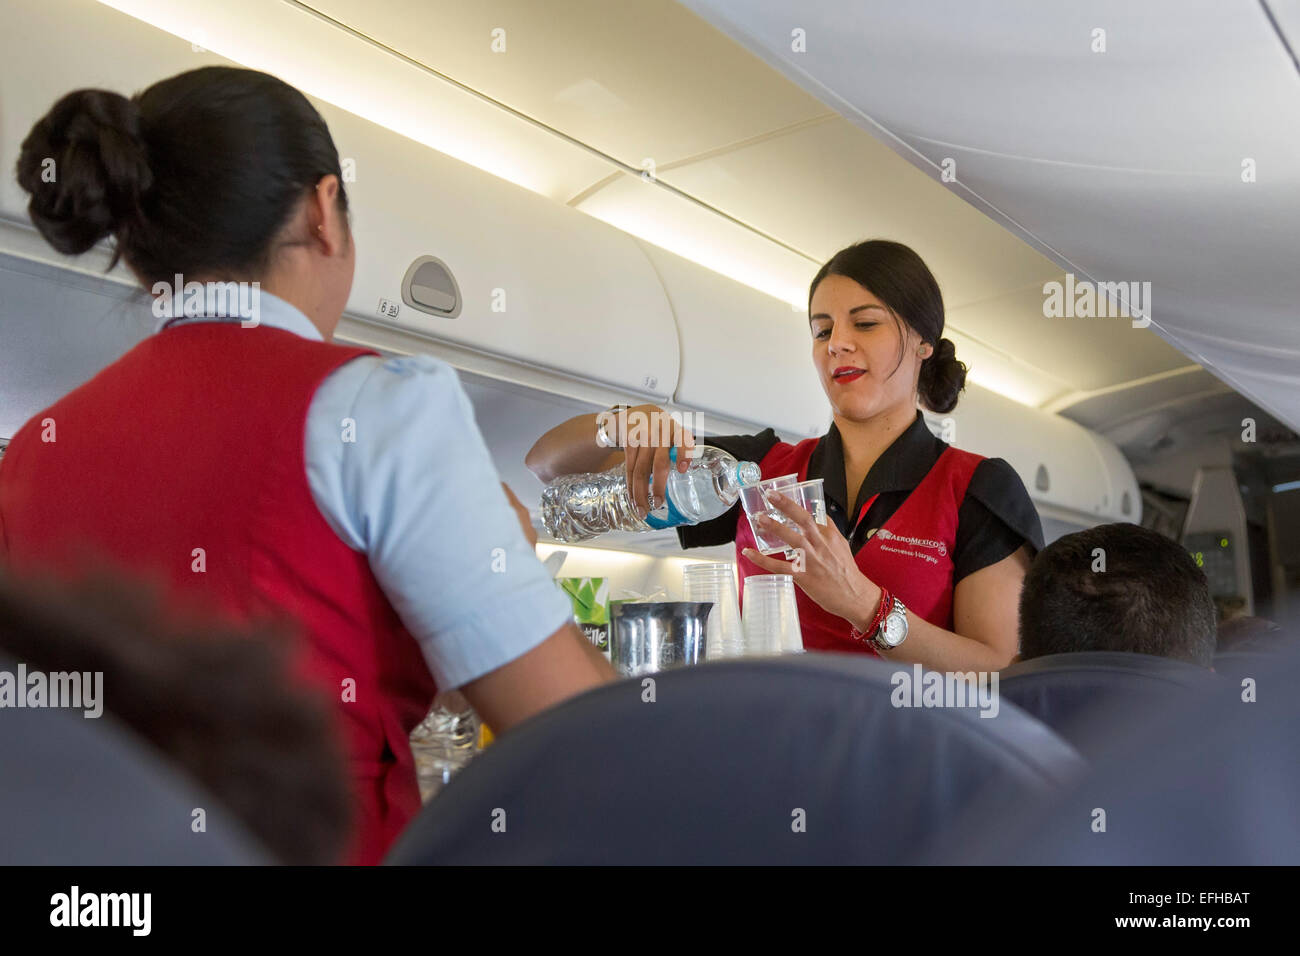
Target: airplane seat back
point(1235, 666)
point(1090, 697)
point(1209, 780)
point(86, 792)
point(1254, 645)
point(794, 760)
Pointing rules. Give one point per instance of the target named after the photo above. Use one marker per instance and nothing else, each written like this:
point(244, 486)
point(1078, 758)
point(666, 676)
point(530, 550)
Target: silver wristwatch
point(893, 629)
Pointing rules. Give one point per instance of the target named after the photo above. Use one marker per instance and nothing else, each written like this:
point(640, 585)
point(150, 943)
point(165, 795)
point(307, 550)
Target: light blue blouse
point(399, 470)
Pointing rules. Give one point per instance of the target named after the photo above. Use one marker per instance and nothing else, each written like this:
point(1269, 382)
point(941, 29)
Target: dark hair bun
point(942, 378)
point(85, 166)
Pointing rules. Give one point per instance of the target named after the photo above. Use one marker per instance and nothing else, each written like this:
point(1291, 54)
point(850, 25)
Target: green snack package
point(590, 597)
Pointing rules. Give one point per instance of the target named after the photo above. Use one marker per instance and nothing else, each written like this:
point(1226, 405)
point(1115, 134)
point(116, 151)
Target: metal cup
point(654, 636)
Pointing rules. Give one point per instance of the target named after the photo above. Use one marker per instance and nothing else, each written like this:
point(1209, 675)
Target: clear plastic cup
point(772, 624)
point(754, 500)
point(717, 583)
point(771, 618)
point(811, 496)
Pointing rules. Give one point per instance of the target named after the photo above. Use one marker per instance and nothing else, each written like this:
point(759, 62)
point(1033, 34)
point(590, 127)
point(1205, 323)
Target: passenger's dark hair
point(197, 175)
point(1151, 598)
point(899, 278)
point(218, 700)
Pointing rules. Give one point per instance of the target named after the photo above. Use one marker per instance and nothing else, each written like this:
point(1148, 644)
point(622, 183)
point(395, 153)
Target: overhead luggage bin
point(745, 355)
point(520, 289)
point(450, 253)
point(1069, 471)
point(1122, 500)
point(543, 294)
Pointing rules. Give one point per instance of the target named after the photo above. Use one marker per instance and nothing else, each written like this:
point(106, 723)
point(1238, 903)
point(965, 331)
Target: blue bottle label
point(674, 517)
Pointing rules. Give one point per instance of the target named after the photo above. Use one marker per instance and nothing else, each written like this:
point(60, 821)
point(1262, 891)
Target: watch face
point(895, 629)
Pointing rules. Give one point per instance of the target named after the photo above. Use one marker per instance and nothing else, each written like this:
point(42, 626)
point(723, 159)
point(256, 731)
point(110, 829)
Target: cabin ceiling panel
point(1151, 142)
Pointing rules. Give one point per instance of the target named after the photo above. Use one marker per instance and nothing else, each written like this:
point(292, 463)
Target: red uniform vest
point(911, 554)
point(194, 439)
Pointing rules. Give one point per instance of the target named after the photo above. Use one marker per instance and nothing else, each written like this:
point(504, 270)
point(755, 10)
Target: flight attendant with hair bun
point(926, 545)
point(251, 466)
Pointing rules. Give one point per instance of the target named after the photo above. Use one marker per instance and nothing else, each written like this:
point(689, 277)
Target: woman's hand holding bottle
point(647, 435)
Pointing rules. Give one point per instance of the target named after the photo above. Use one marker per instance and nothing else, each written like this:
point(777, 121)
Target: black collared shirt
point(995, 518)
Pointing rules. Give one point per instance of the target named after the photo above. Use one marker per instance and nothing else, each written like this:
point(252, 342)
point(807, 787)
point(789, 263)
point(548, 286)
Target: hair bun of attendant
point(201, 173)
point(942, 378)
point(85, 166)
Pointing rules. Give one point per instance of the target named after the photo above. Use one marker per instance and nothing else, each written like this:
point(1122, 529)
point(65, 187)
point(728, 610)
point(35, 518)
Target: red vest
point(194, 439)
point(911, 554)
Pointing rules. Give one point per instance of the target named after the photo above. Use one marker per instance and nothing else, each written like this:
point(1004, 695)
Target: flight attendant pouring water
point(925, 547)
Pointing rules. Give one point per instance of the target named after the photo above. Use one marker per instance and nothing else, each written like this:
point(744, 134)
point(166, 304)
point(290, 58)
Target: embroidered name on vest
point(885, 534)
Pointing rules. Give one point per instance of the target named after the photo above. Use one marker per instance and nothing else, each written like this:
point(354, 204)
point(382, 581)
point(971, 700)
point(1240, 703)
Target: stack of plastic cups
point(717, 583)
point(771, 619)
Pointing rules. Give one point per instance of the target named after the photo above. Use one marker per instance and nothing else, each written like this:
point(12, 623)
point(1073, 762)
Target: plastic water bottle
point(578, 507)
point(444, 742)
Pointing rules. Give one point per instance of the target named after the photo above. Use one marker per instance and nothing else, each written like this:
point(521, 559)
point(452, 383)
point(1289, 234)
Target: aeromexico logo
point(181, 299)
point(884, 534)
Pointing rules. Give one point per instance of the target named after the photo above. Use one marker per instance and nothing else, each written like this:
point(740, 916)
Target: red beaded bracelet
point(886, 603)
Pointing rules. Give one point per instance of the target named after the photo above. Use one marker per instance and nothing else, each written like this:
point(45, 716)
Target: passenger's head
point(876, 306)
point(218, 701)
point(218, 175)
point(1117, 587)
